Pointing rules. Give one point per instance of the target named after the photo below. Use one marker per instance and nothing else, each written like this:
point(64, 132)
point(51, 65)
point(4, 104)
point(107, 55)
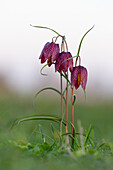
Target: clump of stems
point(78, 75)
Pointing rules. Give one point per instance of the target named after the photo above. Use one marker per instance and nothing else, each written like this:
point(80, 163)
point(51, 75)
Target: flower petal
point(62, 62)
point(44, 53)
point(55, 51)
point(74, 77)
point(70, 61)
point(58, 62)
point(50, 52)
point(83, 72)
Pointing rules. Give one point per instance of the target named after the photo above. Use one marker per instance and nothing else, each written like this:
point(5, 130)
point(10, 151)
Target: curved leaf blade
point(70, 58)
point(46, 28)
point(74, 99)
point(43, 68)
point(42, 117)
point(65, 76)
point(47, 88)
point(37, 117)
point(82, 39)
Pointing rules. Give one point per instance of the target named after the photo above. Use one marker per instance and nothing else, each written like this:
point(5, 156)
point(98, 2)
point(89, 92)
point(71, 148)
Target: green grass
point(23, 147)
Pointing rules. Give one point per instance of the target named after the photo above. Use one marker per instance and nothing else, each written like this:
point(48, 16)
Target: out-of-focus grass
point(100, 115)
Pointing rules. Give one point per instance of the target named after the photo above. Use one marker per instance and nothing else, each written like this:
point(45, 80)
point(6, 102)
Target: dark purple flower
point(62, 62)
point(79, 76)
point(49, 53)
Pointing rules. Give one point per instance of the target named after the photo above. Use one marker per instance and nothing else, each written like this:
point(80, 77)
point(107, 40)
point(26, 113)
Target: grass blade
point(43, 137)
point(87, 139)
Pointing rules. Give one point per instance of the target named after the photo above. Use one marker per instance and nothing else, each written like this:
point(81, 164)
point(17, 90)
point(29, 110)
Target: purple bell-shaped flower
point(50, 52)
point(79, 77)
point(63, 62)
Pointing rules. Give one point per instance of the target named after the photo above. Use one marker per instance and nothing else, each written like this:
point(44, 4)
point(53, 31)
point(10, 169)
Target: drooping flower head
point(62, 62)
point(79, 77)
point(50, 53)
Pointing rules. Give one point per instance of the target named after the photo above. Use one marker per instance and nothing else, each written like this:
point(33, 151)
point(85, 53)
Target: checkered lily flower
point(50, 52)
point(63, 62)
point(79, 77)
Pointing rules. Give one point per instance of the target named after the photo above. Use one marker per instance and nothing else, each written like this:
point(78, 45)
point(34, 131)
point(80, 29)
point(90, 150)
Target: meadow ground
point(15, 157)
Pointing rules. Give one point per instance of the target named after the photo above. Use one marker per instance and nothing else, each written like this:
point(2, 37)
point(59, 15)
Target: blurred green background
point(99, 114)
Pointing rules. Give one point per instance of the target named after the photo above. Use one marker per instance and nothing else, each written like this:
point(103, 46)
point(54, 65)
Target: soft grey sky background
point(21, 45)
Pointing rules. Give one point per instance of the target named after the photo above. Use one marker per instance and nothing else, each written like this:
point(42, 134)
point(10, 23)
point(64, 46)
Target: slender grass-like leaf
point(69, 59)
point(88, 135)
point(88, 139)
point(52, 128)
point(46, 28)
point(65, 76)
point(74, 96)
point(82, 40)
point(91, 139)
point(93, 135)
point(73, 140)
point(65, 90)
point(100, 146)
point(38, 117)
point(43, 68)
point(53, 132)
point(43, 137)
point(42, 117)
point(85, 95)
point(72, 137)
point(47, 88)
